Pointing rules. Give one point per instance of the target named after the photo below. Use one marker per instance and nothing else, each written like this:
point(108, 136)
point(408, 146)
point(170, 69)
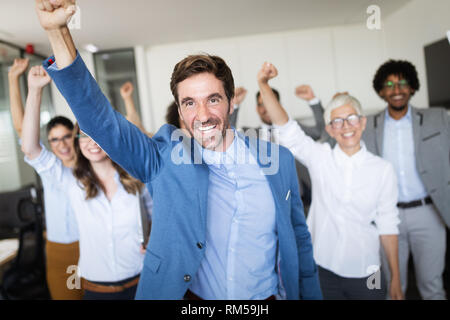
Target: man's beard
point(398, 109)
point(220, 138)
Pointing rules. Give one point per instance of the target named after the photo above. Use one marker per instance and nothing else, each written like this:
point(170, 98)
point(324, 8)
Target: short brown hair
point(196, 64)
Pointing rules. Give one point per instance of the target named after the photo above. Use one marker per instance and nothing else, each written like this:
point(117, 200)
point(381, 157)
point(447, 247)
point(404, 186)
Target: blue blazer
point(177, 243)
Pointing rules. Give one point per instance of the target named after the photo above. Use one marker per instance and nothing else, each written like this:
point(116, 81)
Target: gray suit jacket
point(431, 131)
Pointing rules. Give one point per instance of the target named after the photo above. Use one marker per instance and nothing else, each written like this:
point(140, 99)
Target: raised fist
point(54, 14)
point(38, 78)
point(239, 95)
point(126, 90)
point(19, 67)
point(267, 72)
point(304, 92)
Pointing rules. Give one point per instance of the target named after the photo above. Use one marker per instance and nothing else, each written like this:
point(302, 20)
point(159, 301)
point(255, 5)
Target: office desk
point(8, 250)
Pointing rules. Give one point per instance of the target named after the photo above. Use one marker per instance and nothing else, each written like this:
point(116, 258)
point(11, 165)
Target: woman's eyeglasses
point(55, 141)
point(352, 120)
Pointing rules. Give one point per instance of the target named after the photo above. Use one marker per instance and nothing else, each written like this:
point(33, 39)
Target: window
point(113, 69)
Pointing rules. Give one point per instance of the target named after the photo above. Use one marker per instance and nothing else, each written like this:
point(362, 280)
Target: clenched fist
point(19, 67)
point(239, 95)
point(304, 92)
point(267, 72)
point(126, 90)
point(38, 78)
point(55, 14)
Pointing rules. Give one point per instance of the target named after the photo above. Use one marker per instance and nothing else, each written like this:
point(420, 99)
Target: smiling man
point(417, 142)
point(220, 230)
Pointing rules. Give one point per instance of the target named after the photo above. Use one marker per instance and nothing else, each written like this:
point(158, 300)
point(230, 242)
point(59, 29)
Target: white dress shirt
point(353, 203)
point(110, 231)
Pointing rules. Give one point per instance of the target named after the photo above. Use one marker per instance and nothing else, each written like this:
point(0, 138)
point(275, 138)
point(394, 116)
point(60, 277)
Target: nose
point(202, 112)
point(396, 88)
point(345, 125)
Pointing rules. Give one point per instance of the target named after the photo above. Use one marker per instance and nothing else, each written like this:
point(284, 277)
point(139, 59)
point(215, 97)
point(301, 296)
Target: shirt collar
point(407, 116)
point(229, 156)
point(342, 158)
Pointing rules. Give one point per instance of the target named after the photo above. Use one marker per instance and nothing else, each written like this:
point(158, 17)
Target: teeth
point(96, 150)
point(348, 134)
point(206, 128)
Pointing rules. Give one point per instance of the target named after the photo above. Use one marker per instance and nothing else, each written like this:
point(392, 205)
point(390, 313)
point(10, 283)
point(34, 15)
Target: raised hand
point(267, 72)
point(126, 90)
point(304, 92)
point(38, 78)
point(55, 14)
point(239, 95)
point(19, 67)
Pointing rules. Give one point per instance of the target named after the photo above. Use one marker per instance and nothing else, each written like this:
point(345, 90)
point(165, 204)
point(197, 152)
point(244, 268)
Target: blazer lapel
point(417, 118)
point(379, 132)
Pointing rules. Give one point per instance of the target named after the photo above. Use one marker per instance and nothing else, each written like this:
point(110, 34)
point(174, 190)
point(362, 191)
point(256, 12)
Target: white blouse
point(353, 203)
point(110, 231)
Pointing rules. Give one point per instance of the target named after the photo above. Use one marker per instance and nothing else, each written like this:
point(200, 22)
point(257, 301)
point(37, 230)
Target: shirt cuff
point(314, 101)
point(288, 126)
point(43, 162)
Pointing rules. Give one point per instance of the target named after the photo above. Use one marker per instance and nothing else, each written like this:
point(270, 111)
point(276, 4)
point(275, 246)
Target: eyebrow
point(213, 95)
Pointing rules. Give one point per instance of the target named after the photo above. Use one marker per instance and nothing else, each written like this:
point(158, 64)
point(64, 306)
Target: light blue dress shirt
point(241, 241)
point(60, 222)
point(398, 149)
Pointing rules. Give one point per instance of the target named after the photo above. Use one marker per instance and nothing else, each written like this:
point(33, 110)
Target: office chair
point(26, 278)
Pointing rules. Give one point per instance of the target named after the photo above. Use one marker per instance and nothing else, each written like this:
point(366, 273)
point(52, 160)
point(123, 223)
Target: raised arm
point(239, 96)
point(276, 112)
point(303, 147)
point(306, 93)
point(123, 142)
point(53, 16)
point(126, 92)
point(15, 98)
point(37, 80)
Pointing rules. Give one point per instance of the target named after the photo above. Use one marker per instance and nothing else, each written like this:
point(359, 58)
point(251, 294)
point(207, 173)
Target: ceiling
point(117, 24)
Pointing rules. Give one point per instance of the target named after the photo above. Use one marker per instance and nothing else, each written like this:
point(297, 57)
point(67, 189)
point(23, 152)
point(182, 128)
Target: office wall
point(408, 30)
point(331, 59)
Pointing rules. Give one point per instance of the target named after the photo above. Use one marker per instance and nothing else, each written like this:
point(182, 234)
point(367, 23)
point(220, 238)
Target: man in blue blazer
point(228, 222)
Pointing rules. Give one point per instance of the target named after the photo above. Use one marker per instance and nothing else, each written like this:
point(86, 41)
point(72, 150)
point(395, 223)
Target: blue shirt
point(241, 241)
point(60, 221)
point(398, 149)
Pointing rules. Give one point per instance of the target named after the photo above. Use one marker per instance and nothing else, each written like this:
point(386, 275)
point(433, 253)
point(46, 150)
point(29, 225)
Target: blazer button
point(187, 278)
point(199, 245)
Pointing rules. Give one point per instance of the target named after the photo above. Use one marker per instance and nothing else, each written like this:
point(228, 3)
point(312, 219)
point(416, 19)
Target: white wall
point(339, 58)
point(408, 30)
point(60, 105)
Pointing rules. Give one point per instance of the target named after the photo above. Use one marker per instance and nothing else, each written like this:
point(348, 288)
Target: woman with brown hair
point(106, 203)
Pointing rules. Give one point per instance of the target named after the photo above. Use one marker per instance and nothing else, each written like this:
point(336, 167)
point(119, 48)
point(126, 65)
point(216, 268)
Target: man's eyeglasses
point(55, 141)
point(353, 120)
point(402, 84)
